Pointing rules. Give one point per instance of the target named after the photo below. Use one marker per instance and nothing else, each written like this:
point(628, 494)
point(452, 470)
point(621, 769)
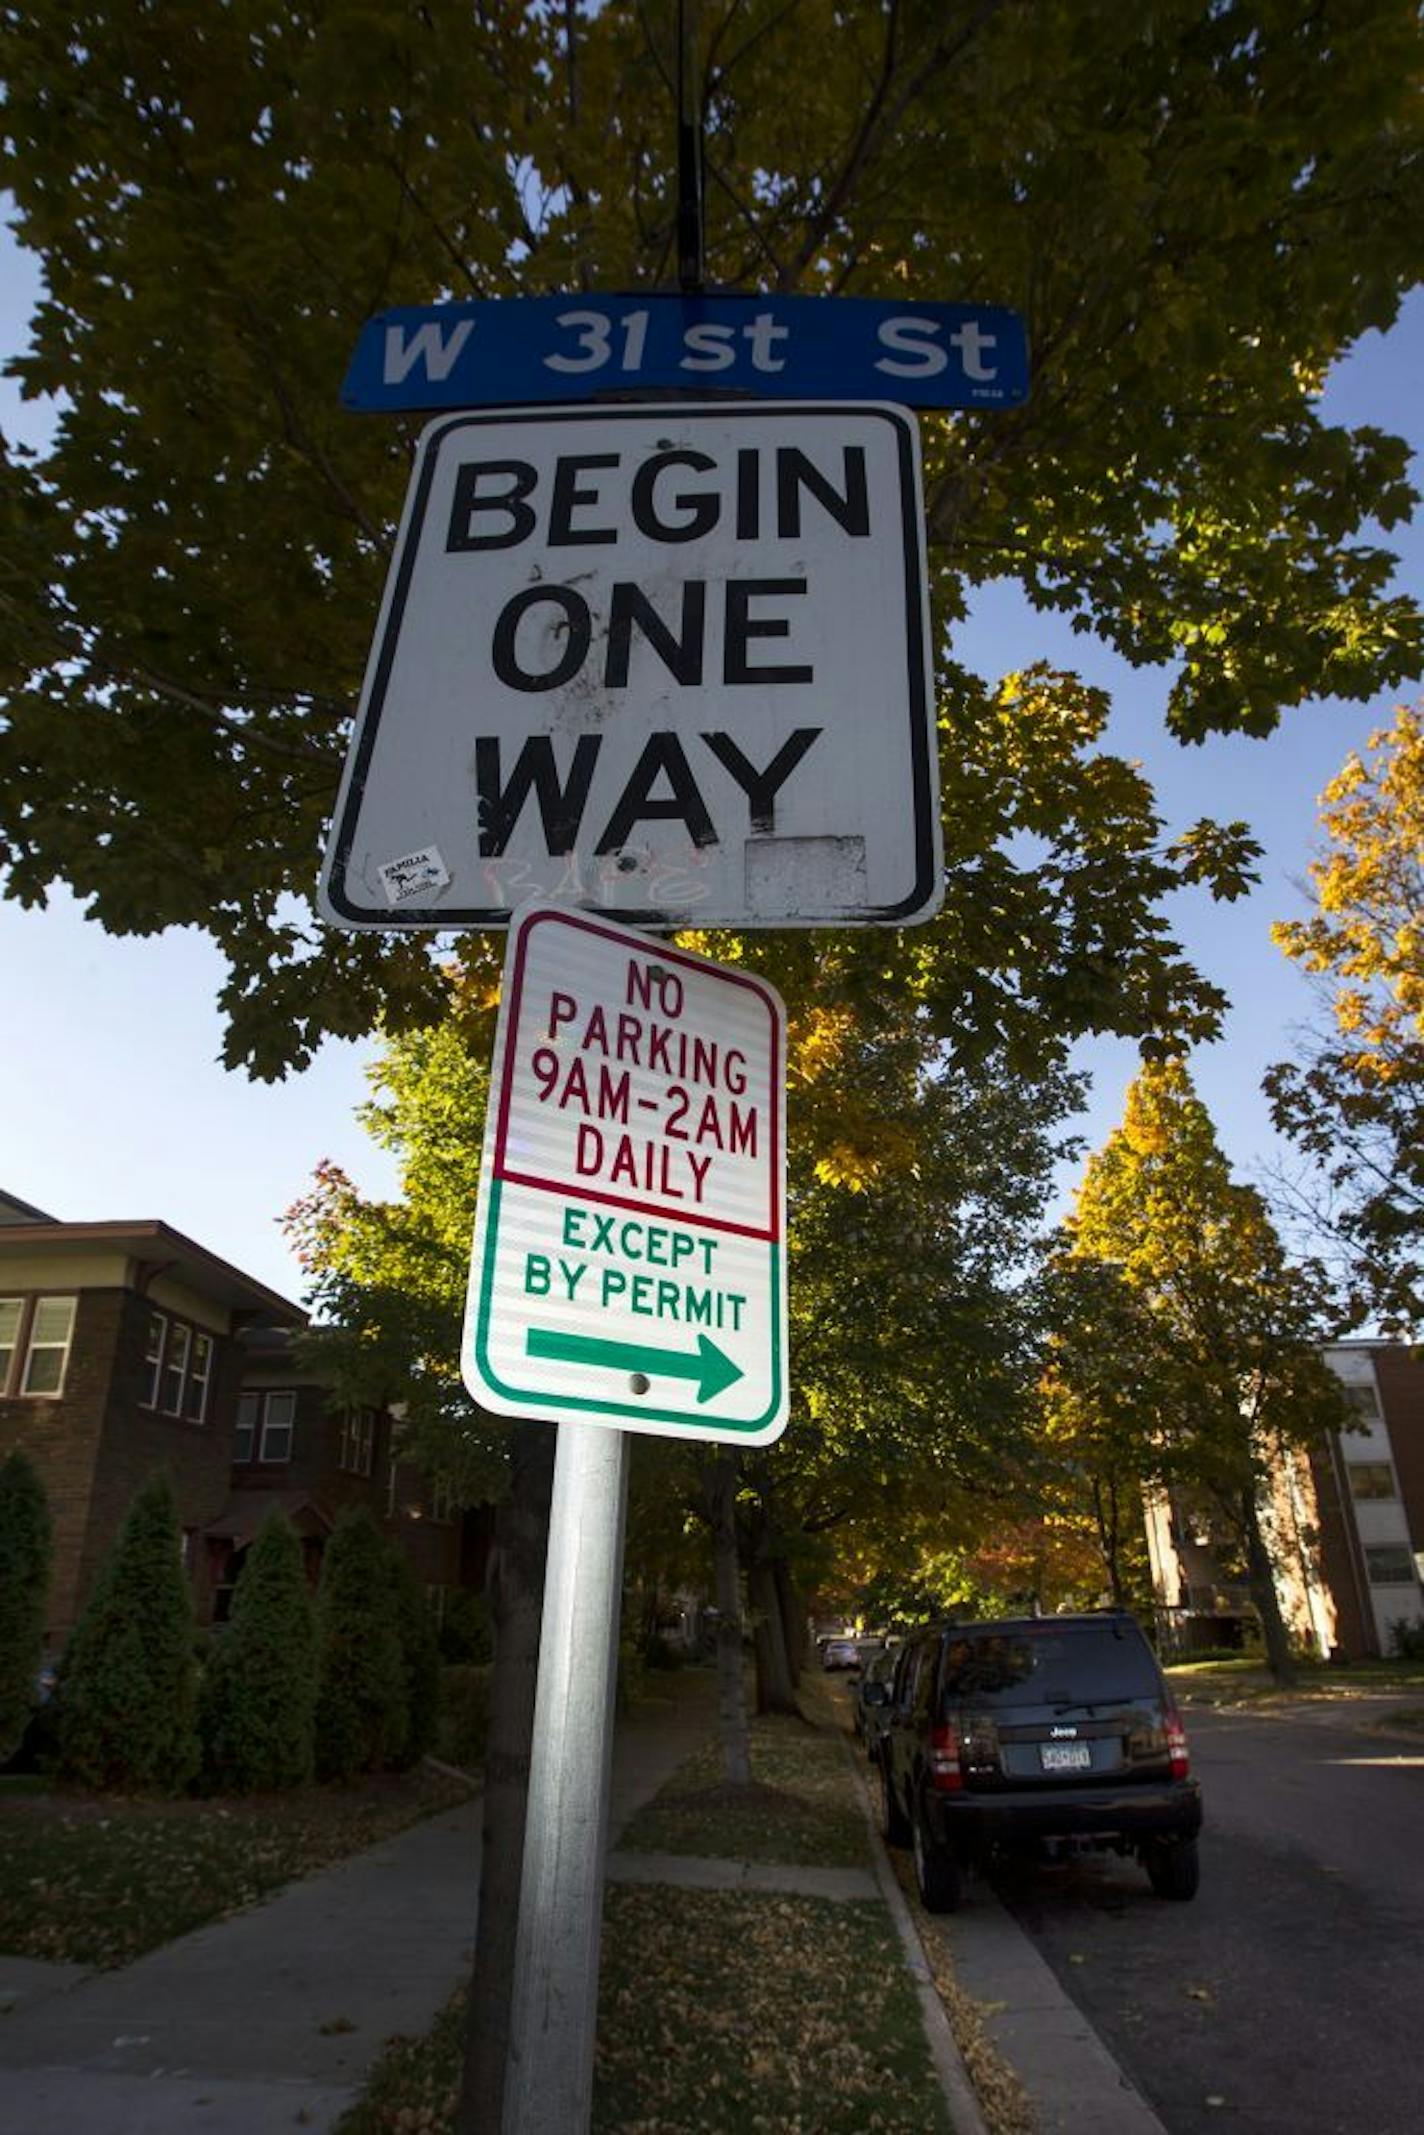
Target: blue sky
point(114, 1104)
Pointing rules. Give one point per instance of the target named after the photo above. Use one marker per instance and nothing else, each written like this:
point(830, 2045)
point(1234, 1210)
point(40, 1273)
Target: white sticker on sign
point(414, 875)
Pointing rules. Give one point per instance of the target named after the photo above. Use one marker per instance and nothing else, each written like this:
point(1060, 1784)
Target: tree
point(258, 1707)
point(1355, 1103)
point(127, 1689)
point(420, 1660)
point(1102, 1441)
point(26, 1558)
point(361, 1684)
point(1234, 1374)
point(1196, 211)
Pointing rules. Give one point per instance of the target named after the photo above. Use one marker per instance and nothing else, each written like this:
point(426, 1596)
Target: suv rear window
point(1048, 1664)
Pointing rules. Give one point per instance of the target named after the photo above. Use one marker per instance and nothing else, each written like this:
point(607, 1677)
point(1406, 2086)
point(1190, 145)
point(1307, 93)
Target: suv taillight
point(1179, 1759)
point(945, 1775)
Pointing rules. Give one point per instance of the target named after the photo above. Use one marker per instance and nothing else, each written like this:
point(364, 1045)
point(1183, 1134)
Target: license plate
point(1066, 1756)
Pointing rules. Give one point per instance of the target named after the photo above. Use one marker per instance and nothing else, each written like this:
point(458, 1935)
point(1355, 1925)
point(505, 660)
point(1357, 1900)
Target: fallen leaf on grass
point(1199, 1994)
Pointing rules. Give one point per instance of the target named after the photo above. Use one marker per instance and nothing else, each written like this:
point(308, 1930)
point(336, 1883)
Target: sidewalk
point(268, 2021)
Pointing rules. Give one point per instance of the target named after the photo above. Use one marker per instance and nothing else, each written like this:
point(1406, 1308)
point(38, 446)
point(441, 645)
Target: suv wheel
point(1172, 1867)
point(938, 1876)
point(894, 1824)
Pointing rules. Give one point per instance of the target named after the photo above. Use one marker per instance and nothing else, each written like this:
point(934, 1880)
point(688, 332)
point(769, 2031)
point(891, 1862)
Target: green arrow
point(713, 1370)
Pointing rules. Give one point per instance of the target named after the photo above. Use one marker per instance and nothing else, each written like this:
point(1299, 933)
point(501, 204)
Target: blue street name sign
point(515, 351)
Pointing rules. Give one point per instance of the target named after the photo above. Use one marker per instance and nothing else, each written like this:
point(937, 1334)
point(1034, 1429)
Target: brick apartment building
point(1346, 1523)
point(125, 1348)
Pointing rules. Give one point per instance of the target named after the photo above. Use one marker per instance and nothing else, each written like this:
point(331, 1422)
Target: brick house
point(126, 1347)
point(120, 1353)
point(1346, 1524)
point(294, 1447)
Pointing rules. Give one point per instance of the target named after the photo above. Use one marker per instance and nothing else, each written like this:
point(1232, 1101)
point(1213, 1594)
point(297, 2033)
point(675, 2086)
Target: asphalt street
point(1286, 1996)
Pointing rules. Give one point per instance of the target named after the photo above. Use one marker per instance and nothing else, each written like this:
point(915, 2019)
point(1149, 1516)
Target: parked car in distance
point(840, 1653)
point(870, 1700)
point(1051, 1734)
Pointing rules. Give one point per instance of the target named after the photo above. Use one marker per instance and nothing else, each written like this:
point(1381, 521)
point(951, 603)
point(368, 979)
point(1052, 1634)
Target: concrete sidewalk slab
point(690, 1871)
point(24, 1981)
point(63, 2101)
point(1071, 2078)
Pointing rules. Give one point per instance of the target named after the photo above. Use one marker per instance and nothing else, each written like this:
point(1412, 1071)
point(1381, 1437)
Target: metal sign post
point(549, 2078)
point(627, 1271)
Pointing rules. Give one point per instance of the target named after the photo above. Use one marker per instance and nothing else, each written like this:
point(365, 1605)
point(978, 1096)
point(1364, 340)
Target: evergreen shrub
point(259, 1689)
point(361, 1694)
point(26, 1559)
point(126, 1699)
point(464, 1714)
point(465, 1634)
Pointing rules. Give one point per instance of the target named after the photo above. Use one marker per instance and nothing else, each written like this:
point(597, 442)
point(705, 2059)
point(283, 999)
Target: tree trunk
point(776, 1691)
point(731, 1697)
point(1105, 1511)
point(793, 1617)
point(1263, 1592)
point(515, 1586)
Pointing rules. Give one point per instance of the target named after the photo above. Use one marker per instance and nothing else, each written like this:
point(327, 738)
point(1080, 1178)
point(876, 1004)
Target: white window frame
point(176, 1354)
point(358, 1441)
point(271, 1429)
point(252, 1426)
point(153, 1357)
point(198, 1377)
point(11, 1349)
point(179, 1339)
point(34, 1347)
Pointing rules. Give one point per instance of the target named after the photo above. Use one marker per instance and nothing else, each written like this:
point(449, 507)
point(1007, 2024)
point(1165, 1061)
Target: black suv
point(1046, 1732)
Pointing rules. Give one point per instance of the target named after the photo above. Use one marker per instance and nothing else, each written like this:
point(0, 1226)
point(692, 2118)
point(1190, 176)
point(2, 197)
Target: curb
point(1070, 2077)
point(965, 2112)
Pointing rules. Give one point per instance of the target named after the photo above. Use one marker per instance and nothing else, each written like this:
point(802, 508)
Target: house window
point(153, 1359)
point(175, 1368)
point(266, 1425)
point(358, 1441)
point(1371, 1478)
point(1364, 1401)
point(51, 1329)
point(200, 1370)
point(10, 1310)
point(245, 1436)
point(1390, 1565)
point(279, 1415)
point(442, 1502)
point(178, 1363)
point(391, 1488)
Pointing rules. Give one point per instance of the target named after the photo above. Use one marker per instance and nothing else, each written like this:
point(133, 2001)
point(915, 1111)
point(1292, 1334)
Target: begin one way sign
point(628, 1263)
point(670, 663)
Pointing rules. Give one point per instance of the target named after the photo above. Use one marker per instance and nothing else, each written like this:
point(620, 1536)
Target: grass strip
point(728, 2012)
point(1249, 1682)
point(98, 1879)
point(799, 1810)
point(740, 2013)
point(723, 2013)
